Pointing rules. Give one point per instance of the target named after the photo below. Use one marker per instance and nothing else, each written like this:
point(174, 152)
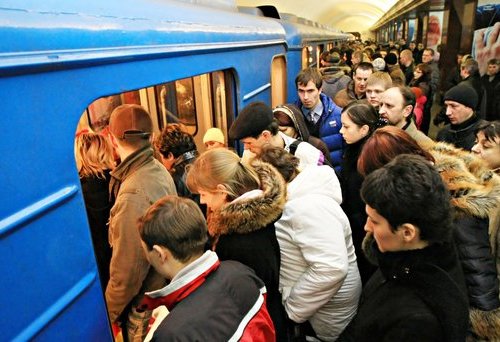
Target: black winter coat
point(472, 240)
point(96, 195)
point(415, 295)
point(353, 205)
point(462, 135)
point(490, 112)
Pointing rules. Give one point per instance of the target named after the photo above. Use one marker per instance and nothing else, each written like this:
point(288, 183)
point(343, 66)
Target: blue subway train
point(64, 65)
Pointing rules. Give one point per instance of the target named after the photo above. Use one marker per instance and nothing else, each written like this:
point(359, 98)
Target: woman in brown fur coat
point(244, 202)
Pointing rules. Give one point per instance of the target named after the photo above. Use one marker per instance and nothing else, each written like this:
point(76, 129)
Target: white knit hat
point(213, 134)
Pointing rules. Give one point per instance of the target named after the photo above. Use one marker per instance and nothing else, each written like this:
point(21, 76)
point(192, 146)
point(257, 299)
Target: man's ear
point(409, 232)
point(266, 134)
point(407, 110)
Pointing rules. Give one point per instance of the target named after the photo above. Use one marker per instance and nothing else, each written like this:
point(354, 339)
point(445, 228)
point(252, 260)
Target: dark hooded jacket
point(244, 231)
point(334, 82)
point(415, 295)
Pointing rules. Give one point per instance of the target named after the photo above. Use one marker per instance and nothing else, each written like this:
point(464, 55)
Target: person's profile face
point(487, 150)
point(352, 132)
point(457, 112)
point(417, 73)
point(214, 200)
point(289, 131)
point(386, 239)
point(254, 145)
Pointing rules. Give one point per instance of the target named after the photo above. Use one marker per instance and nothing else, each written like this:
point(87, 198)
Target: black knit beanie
point(463, 94)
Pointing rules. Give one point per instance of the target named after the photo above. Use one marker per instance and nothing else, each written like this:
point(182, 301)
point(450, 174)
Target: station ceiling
point(345, 15)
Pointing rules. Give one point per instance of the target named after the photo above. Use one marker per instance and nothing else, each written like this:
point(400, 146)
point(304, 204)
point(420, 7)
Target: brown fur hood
point(251, 214)
point(474, 188)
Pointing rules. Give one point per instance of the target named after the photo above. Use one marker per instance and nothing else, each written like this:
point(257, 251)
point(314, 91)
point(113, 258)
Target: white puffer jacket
point(319, 277)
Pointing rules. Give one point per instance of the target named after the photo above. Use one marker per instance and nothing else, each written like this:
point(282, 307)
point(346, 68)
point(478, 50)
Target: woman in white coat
point(319, 277)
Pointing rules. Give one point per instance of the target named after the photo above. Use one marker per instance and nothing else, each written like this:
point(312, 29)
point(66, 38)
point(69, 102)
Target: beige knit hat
point(213, 134)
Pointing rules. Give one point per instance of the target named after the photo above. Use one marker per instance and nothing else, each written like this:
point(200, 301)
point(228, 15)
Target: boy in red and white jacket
point(208, 299)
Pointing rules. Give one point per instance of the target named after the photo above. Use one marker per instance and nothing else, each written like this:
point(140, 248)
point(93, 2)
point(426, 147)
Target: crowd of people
point(348, 222)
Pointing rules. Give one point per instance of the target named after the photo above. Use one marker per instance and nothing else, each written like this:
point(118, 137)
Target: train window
point(176, 104)
point(198, 103)
point(218, 100)
point(278, 81)
point(305, 57)
point(98, 112)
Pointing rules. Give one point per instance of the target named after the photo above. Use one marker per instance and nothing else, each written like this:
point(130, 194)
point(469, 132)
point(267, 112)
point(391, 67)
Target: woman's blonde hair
point(221, 166)
point(94, 155)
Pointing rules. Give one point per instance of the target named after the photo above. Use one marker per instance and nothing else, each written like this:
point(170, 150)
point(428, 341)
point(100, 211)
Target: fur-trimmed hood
point(474, 188)
point(244, 216)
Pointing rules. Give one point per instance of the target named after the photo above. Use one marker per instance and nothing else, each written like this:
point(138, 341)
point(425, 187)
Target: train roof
point(36, 32)
point(299, 31)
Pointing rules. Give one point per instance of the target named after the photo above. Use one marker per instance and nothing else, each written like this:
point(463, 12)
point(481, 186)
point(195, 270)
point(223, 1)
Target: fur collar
point(475, 189)
point(251, 214)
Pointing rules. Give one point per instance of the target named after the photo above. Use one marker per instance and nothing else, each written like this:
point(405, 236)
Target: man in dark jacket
point(407, 65)
point(469, 71)
point(321, 113)
point(418, 293)
point(208, 300)
point(460, 102)
point(489, 81)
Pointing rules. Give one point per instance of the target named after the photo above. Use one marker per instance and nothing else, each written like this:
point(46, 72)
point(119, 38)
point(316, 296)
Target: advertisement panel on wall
point(412, 33)
point(434, 29)
point(486, 43)
point(399, 30)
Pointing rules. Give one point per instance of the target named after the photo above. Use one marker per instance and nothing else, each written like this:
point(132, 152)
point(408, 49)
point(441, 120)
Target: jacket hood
point(250, 214)
point(295, 114)
point(474, 188)
point(316, 180)
point(333, 78)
